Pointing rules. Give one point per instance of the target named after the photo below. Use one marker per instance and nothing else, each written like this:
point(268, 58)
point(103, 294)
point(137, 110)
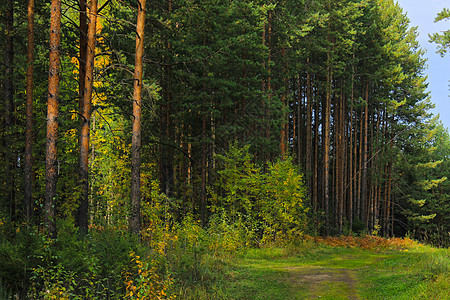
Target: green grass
point(419, 274)
point(338, 273)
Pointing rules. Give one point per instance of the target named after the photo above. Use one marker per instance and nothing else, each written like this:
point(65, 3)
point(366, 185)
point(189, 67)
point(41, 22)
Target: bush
point(17, 256)
point(268, 203)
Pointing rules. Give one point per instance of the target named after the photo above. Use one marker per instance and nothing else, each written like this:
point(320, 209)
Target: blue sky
point(422, 14)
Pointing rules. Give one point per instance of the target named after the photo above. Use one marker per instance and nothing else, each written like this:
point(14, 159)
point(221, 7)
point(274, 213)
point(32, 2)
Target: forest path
point(331, 279)
point(332, 275)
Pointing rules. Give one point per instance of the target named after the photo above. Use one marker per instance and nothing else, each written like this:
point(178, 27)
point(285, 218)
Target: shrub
point(269, 201)
point(143, 282)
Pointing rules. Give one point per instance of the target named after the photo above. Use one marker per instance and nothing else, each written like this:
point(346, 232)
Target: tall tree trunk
point(52, 119)
point(340, 161)
point(135, 218)
point(326, 146)
point(299, 122)
point(365, 156)
point(284, 124)
point(28, 200)
point(388, 224)
point(203, 169)
point(269, 83)
point(8, 88)
point(83, 35)
point(86, 120)
point(166, 134)
point(360, 165)
point(309, 151)
point(315, 190)
point(350, 165)
point(9, 64)
point(300, 133)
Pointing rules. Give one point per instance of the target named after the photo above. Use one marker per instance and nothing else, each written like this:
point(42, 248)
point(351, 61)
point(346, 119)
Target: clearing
point(338, 273)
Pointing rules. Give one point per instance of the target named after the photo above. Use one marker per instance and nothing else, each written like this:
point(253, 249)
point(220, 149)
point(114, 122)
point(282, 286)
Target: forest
point(178, 129)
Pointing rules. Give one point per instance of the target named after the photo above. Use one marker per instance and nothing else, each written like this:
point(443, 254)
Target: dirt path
point(334, 278)
point(323, 282)
point(335, 273)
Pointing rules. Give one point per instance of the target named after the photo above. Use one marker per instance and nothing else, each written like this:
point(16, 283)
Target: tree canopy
point(328, 97)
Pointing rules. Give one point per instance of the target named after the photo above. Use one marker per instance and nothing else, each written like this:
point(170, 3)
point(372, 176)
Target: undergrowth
point(188, 261)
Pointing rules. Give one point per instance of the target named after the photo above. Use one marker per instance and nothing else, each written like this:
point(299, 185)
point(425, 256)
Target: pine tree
point(51, 173)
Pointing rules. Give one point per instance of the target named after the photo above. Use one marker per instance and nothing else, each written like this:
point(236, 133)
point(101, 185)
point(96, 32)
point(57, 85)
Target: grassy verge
point(330, 272)
point(420, 273)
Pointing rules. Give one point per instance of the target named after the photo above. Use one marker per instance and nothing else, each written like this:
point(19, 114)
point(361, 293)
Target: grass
point(318, 270)
point(423, 273)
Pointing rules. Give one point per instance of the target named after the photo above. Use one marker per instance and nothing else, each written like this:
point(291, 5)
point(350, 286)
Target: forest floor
point(337, 273)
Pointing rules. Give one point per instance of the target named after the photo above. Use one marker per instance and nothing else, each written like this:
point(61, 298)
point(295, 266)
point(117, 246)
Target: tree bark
point(284, 124)
point(51, 173)
point(135, 218)
point(388, 224)
point(8, 85)
point(326, 145)
point(308, 151)
point(340, 161)
point(8, 89)
point(364, 156)
point(315, 190)
point(86, 119)
point(299, 122)
point(350, 166)
point(83, 35)
point(28, 185)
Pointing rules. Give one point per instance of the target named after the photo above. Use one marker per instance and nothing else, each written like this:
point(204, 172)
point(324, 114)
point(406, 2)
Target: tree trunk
point(86, 119)
point(388, 224)
point(28, 185)
point(52, 119)
point(284, 124)
point(166, 164)
point(83, 35)
point(308, 151)
point(364, 156)
point(8, 85)
point(300, 133)
point(340, 161)
point(350, 166)
point(8, 88)
point(135, 218)
point(315, 190)
point(326, 146)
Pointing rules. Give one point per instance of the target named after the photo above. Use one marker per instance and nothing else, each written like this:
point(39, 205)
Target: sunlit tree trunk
point(28, 187)
point(86, 119)
point(52, 119)
point(135, 218)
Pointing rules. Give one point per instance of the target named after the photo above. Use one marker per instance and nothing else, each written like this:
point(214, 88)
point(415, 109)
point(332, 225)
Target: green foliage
point(217, 71)
point(426, 206)
point(70, 267)
point(283, 206)
point(268, 203)
point(442, 39)
point(239, 181)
